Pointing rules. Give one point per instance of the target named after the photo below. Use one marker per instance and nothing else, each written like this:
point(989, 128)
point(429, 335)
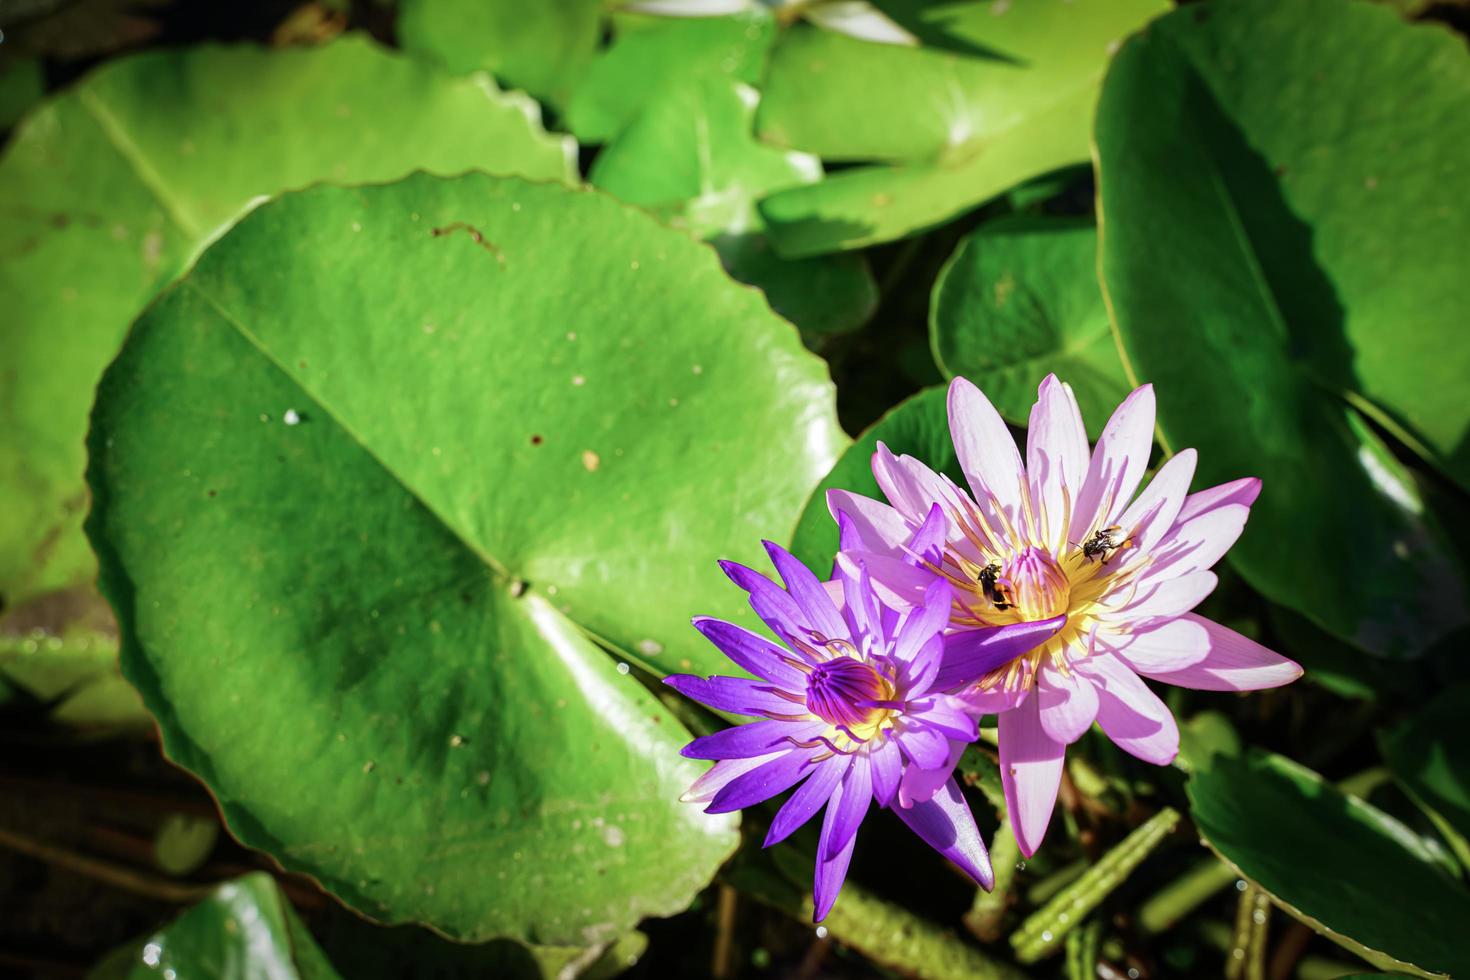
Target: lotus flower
point(848, 710)
point(1064, 536)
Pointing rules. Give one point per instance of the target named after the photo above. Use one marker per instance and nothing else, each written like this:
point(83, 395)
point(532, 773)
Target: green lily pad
point(1020, 299)
point(245, 928)
point(109, 190)
point(373, 482)
point(1337, 863)
point(652, 55)
point(946, 131)
point(690, 158)
point(1430, 756)
point(918, 427)
point(544, 48)
point(1219, 119)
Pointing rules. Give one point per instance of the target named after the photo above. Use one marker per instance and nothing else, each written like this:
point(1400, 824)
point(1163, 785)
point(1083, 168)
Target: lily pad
point(690, 158)
point(109, 190)
point(1218, 118)
point(245, 928)
point(1339, 864)
point(1430, 755)
point(944, 129)
point(372, 484)
point(1020, 299)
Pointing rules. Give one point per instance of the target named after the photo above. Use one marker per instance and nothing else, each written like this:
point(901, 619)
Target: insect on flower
point(852, 710)
point(1064, 536)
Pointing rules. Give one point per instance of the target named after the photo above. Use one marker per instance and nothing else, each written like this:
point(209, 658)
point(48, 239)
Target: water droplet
point(1021, 866)
point(578, 380)
point(291, 418)
point(571, 335)
point(623, 668)
point(650, 648)
point(821, 932)
point(590, 460)
point(455, 741)
point(613, 836)
point(152, 953)
point(1259, 916)
point(698, 369)
point(169, 974)
point(1240, 885)
point(1046, 935)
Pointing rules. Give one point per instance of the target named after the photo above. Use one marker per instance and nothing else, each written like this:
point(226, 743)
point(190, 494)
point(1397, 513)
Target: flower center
point(849, 693)
point(1030, 586)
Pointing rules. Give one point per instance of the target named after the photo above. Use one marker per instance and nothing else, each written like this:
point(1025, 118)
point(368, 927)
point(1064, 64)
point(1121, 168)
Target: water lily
point(1063, 535)
point(849, 712)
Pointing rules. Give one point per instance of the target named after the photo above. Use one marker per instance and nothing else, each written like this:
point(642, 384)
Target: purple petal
point(741, 695)
point(877, 525)
point(926, 620)
point(991, 702)
point(1068, 704)
point(830, 872)
point(755, 738)
point(1165, 599)
point(1198, 543)
point(1056, 456)
point(946, 713)
point(1031, 772)
point(919, 785)
point(917, 677)
point(763, 782)
point(807, 590)
point(848, 808)
point(945, 823)
point(753, 652)
point(1233, 663)
point(925, 746)
point(808, 798)
point(721, 773)
point(1117, 464)
point(771, 603)
point(1236, 493)
point(1132, 715)
point(928, 541)
point(896, 583)
point(912, 487)
point(1149, 518)
point(986, 452)
point(971, 654)
point(859, 605)
point(1172, 645)
point(887, 764)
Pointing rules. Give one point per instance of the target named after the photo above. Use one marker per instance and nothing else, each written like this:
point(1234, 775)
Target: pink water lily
point(1063, 534)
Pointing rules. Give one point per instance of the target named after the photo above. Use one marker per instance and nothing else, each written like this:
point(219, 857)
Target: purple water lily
point(1063, 535)
point(850, 712)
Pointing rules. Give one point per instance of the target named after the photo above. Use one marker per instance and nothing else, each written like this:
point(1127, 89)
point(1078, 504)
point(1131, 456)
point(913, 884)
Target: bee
point(1103, 545)
point(995, 589)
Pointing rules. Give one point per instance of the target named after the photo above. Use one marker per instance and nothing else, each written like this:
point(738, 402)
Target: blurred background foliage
point(376, 726)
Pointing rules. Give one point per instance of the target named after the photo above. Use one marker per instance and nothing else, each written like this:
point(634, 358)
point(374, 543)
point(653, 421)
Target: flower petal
point(987, 453)
point(1161, 599)
point(878, 526)
point(896, 582)
point(971, 654)
point(1196, 544)
point(887, 764)
point(926, 747)
point(776, 609)
point(806, 589)
point(911, 486)
point(1118, 462)
point(946, 713)
point(1171, 645)
point(755, 738)
point(1068, 704)
point(830, 872)
point(927, 619)
point(1056, 457)
point(1031, 772)
point(1236, 493)
point(945, 823)
point(1149, 518)
point(741, 695)
point(848, 808)
point(718, 776)
point(808, 798)
point(1132, 715)
point(1233, 663)
point(763, 782)
point(919, 785)
point(753, 652)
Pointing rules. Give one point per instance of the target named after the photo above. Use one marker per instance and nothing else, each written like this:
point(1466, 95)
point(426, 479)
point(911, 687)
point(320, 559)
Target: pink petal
point(1132, 715)
point(1056, 456)
point(1172, 645)
point(887, 764)
point(1149, 518)
point(1198, 543)
point(986, 452)
point(1031, 771)
point(992, 702)
point(1165, 599)
point(1241, 493)
point(1233, 663)
point(919, 785)
point(1117, 464)
point(1068, 704)
point(877, 525)
point(896, 583)
point(912, 487)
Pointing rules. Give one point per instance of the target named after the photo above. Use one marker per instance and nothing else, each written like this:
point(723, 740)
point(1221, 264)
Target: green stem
point(1185, 894)
point(1247, 957)
point(989, 907)
point(1045, 929)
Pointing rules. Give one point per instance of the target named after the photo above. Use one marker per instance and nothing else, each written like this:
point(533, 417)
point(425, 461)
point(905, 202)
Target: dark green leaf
point(1019, 300)
point(370, 483)
point(1252, 298)
point(1430, 756)
point(1342, 865)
